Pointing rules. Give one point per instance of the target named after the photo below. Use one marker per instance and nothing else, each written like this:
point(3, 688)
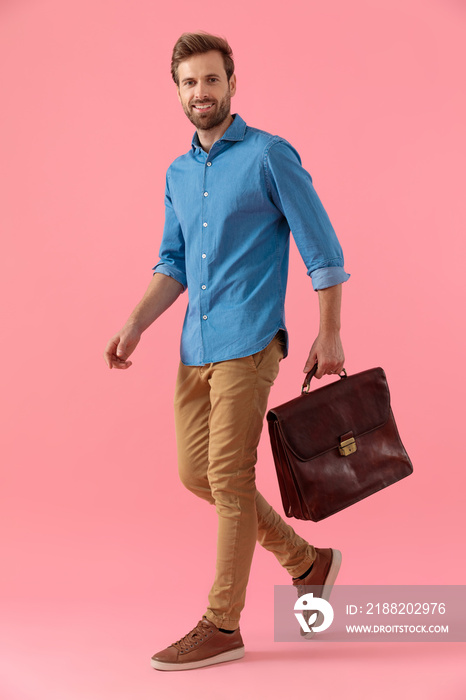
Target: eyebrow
point(210, 75)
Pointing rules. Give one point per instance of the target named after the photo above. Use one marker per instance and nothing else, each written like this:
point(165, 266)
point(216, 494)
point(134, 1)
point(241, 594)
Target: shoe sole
point(232, 655)
point(327, 589)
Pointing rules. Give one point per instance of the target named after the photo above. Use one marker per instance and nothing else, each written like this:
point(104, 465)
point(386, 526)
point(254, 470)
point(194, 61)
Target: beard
point(220, 111)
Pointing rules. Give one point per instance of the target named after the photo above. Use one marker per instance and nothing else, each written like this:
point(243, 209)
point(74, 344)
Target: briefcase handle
point(307, 381)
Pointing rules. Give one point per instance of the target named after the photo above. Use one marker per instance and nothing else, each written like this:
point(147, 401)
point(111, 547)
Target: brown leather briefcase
point(336, 445)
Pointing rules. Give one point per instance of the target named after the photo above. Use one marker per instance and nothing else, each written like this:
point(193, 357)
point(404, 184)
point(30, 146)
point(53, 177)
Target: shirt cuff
point(328, 276)
point(167, 270)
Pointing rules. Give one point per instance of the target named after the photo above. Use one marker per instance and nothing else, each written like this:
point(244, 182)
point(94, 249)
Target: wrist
point(329, 329)
point(134, 326)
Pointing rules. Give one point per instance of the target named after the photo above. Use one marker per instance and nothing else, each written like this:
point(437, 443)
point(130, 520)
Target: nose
point(201, 92)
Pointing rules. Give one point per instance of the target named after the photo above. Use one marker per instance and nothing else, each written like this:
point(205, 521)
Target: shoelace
point(199, 633)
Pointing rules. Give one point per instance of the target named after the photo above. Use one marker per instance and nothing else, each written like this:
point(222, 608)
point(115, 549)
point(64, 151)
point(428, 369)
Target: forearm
point(161, 293)
point(327, 350)
point(330, 309)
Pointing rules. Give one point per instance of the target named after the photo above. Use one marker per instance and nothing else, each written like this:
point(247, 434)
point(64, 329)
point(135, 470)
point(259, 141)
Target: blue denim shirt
point(228, 215)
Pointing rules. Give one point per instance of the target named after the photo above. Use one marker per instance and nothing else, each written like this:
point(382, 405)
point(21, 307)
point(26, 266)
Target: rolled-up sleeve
point(172, 249)
point(291, 189)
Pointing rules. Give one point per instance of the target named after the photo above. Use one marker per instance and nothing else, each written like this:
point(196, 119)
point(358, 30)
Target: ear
point(232, 85)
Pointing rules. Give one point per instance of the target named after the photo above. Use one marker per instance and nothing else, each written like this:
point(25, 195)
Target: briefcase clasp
point(347, 446)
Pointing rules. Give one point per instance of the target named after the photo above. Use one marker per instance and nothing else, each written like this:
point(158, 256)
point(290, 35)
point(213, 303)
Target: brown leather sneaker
point(321, 577)
point(203, 646)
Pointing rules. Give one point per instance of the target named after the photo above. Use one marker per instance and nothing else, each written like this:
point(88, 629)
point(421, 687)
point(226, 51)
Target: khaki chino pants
point(219, 414)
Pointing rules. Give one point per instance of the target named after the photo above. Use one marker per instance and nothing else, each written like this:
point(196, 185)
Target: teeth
point(202, 106)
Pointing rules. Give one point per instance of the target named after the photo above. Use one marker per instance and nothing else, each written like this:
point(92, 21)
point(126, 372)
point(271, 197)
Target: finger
point(121, 351)
point(325, 367)
point(121, 364)
point(109, 353)
point(333, 370)
point(311, 361)
point(329, 370)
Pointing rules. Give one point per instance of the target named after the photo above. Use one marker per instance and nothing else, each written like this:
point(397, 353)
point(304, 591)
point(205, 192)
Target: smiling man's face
point(204, 90)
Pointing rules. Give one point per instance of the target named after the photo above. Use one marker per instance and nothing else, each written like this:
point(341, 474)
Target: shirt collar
point(235, 132)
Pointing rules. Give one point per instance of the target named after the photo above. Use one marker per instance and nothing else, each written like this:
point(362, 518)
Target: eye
point(213, 80)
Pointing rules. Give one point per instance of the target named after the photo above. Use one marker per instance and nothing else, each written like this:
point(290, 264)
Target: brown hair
point(192, 44)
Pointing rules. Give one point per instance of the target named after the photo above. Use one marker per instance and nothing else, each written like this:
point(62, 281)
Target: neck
point(207, 137)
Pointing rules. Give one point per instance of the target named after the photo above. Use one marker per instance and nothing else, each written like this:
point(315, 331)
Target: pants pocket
point(279, 338)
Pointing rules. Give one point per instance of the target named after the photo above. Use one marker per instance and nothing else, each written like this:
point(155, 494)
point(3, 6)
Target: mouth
point(203, 107)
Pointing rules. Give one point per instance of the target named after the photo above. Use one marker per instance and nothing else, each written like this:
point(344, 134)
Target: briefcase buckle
point(347, 447)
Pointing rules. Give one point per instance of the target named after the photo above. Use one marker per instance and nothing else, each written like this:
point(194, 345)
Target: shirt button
point(208, 163)
point(204, 255)
point(206, 194)
point(203, 287)
point(205, 224)
point(205, 318)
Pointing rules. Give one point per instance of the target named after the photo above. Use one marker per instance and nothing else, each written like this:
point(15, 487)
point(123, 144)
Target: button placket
point(206, 245)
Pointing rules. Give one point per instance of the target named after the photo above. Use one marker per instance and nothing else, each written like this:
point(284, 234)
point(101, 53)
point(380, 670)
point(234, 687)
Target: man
point(230, 204)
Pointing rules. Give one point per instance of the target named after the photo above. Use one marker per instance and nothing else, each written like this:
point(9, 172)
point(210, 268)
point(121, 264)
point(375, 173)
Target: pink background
point(105, 557)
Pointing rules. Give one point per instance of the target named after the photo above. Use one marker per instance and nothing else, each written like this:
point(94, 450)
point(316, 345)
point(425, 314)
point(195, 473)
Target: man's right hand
point(120, 347)
point(160, 294)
